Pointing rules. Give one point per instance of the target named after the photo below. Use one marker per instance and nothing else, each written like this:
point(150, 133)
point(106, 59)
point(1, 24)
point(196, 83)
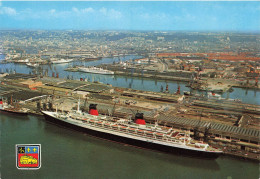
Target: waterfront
point(183, 68)
point(250, 96)
point(71, 154)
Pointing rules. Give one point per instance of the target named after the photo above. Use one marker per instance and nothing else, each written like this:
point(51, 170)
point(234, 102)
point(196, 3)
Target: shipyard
point(129, 89)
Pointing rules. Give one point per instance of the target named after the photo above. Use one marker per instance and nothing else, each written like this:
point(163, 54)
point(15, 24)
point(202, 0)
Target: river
point(246, 95)
point(72, 154)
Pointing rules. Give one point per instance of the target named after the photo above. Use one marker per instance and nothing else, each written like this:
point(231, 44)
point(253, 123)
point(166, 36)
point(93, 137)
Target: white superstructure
point(56, 61)
point(124, 128)
point(32, 64)
point(95, 70)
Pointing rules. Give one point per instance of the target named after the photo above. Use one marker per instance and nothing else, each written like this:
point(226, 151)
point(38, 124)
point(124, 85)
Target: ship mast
point(78, 106)
point(11, 100)
point(184, 137)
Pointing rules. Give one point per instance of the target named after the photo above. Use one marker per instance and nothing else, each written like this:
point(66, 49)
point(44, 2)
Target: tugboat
point(136, 133)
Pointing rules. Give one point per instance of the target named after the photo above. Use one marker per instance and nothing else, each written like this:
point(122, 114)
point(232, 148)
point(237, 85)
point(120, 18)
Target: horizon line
point(143, 30)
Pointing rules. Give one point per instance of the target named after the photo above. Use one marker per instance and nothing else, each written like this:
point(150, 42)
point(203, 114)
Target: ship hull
point(134, 142)
point(61, 61)
point(87, 70)
point(92, 59)
point(13, 112)
point(102, 73)
point(97, 72)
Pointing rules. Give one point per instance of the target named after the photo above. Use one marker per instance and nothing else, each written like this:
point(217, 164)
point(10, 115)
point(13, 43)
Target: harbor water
point(249, 96)
point(71, 154)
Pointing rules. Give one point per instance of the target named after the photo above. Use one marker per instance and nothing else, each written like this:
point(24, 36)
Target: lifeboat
point(115, 126)
point(106, 125)
point(140, 131)
point(131, 130)
point(149, 132)
point(99, 123)
point(159, 134)
point(122, 128)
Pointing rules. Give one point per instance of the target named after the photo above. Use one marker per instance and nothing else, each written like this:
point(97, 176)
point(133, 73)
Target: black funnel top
point(139, 116)
point(92, 106)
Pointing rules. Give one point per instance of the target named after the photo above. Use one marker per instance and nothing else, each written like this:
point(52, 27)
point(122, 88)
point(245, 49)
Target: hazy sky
point(106, 15)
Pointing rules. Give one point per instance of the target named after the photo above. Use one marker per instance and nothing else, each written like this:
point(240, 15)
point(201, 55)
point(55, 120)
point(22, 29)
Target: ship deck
point(163, 136)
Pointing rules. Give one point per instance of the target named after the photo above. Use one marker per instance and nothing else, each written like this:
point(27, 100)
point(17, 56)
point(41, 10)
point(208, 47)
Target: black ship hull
point(134, 142)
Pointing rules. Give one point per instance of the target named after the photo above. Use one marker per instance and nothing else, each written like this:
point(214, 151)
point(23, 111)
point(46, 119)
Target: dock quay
point(154, 76)
point(244, 108)
point(232, 126)
point(218, 85)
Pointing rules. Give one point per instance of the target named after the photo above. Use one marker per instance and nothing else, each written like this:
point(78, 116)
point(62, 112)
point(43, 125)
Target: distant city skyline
point(131, 15)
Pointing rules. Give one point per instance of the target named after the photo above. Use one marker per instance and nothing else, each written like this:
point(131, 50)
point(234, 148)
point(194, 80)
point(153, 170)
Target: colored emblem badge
point(28, 156)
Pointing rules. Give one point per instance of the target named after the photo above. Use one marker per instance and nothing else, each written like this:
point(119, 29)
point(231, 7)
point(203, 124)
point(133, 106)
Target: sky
point(131, 15)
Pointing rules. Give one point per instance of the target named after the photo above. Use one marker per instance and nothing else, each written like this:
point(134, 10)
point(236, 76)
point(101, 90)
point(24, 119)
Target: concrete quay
point(204, 84)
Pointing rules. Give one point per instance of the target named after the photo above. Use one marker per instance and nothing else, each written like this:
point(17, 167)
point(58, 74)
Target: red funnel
point(140, 121)
point(93, 112)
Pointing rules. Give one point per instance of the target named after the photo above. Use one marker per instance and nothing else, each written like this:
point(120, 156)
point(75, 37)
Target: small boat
point(213, 95)
point(218, 97)
point(186, 93)
point(34, 65)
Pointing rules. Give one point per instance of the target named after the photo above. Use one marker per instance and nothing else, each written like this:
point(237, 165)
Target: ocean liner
point(61, 61)
point(137, 133)
point(95, 70)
